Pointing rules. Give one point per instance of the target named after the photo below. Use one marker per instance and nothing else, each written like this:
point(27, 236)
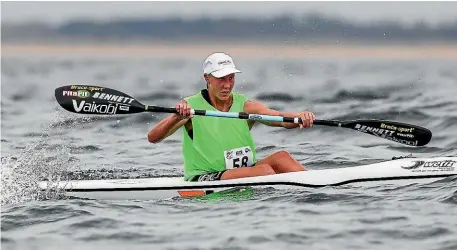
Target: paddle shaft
point(242, 115)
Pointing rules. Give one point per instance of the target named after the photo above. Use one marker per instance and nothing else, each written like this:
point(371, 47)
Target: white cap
point(219, 65)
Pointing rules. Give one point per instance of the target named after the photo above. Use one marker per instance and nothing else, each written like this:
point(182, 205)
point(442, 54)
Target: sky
point(360, 11)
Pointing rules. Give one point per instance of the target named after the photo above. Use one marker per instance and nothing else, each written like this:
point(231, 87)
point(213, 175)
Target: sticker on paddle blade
point(86, 99)
point(395, 131)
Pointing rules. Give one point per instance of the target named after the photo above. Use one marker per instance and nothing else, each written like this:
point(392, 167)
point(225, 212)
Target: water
point(40, 140)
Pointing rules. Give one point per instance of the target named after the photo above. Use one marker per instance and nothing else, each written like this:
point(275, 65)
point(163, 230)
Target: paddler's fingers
point(311, 119)
point(190, 114)
point(307, 119)
point(184, 110)
point(187, 110)
point(304, 119)
point(178, 107)
point(181, 108)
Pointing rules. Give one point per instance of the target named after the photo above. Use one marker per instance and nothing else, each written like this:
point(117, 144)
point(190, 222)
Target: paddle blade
point(86, 99)
point(403, 133)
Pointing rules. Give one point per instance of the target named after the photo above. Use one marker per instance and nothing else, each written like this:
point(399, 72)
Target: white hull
point(406, 171)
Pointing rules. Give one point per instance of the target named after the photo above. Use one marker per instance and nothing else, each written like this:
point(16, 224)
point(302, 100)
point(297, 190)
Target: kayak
point(96, 100)
point(406, 170)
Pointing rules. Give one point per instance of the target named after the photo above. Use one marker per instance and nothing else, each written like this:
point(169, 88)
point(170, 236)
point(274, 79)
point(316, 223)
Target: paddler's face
point(221, 87)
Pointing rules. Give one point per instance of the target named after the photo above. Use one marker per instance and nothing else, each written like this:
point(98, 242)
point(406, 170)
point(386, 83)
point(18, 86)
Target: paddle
point(85, 99)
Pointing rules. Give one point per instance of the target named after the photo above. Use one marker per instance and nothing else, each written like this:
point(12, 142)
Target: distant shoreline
point(251, 49)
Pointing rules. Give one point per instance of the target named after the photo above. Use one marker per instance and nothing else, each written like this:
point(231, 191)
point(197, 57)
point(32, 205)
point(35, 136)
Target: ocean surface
point(40, 140)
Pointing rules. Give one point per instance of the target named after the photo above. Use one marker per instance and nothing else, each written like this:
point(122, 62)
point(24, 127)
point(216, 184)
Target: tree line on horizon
point(281, 27)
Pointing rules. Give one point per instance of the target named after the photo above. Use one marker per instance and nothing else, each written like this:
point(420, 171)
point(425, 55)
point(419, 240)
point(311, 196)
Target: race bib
point(238, 157)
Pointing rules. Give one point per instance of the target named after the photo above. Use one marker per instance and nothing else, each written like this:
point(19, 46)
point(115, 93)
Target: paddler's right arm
point(170, 124)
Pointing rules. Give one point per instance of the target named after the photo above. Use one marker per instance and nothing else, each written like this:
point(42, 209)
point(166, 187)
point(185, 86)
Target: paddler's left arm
point(256, 107)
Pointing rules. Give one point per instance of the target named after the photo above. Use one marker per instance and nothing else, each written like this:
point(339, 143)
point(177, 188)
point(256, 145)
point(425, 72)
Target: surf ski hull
point(400, 171)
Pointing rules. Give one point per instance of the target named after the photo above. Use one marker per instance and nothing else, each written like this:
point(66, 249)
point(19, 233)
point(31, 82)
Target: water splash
point(40, 160)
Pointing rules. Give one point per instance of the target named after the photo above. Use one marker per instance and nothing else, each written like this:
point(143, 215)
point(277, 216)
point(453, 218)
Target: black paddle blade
point(86, 99)
point(403, 133)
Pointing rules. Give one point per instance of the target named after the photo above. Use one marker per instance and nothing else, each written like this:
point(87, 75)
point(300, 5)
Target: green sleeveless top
point(213, 137)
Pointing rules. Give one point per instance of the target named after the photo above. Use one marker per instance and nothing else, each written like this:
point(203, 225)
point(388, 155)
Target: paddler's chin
point(224, 95)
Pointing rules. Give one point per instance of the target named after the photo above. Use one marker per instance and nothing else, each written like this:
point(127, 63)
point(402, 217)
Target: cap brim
point(224, 72)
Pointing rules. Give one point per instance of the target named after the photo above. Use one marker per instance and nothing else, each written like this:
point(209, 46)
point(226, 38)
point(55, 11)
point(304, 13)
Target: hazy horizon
point(57, 13)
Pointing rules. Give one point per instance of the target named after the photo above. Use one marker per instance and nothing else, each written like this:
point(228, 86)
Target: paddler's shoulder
point(193, 97)
point(237, 96)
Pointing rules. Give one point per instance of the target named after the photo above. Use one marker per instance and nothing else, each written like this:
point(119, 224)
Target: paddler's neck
point(221, 105)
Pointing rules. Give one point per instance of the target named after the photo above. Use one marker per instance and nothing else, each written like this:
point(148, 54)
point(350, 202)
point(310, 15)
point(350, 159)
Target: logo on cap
point(219, 65)
point(226, 62)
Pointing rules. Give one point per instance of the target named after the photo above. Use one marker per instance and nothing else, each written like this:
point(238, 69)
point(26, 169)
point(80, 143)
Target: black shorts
point(214, 176)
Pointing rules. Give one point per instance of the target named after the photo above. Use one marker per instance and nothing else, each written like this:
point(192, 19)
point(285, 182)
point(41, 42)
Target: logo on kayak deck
point(414, 164)
point(210, 176)
point(430, 166)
